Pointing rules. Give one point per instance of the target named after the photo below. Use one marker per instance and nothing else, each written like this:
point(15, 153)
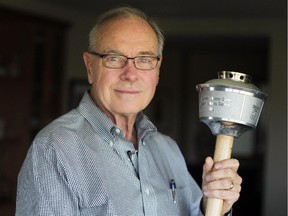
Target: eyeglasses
point(116, 61)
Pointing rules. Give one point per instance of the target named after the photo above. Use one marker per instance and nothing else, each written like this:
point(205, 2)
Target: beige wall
point(275, 114)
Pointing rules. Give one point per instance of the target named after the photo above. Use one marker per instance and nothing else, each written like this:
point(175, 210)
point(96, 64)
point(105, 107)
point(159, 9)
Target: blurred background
point(42, 76)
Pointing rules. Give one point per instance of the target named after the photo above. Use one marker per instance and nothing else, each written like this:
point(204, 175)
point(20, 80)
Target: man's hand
point(221, 180)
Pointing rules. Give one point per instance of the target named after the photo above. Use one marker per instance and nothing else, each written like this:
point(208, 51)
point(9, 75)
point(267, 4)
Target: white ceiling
point(271, 9)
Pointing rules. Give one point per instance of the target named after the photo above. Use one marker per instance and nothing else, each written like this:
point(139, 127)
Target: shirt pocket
point(95, 210)
point(178, 204)
point(94, 201)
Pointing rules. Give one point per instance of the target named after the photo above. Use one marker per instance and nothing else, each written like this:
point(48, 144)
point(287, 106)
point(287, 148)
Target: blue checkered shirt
point(78, 165)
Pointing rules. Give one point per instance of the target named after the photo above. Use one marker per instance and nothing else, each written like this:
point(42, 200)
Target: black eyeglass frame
point(101, 55)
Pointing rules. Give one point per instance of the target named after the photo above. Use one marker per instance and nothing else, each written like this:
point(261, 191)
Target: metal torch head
point(230, 105)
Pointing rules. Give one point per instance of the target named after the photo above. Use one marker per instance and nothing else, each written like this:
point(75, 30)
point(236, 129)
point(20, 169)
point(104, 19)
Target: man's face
point(127, 90)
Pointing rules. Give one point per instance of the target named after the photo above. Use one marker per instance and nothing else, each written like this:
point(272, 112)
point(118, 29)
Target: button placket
point(149, 198)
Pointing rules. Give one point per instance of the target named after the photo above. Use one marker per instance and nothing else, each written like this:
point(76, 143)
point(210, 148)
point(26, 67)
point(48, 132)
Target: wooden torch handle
point(223, 151)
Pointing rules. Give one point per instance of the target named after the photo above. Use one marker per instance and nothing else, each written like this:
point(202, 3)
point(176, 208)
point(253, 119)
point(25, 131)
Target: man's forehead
point(132, 31)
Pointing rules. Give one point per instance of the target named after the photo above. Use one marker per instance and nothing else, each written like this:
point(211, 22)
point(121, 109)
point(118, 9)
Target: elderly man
point(106, 157)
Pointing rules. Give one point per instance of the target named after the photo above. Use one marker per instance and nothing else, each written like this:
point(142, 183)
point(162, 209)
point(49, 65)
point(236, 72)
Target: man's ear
point(160, 61)
point(88, 64)
point(159, 66)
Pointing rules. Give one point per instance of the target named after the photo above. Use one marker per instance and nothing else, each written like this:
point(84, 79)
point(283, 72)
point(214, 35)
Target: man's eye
point(145, 60)
point(113, 58)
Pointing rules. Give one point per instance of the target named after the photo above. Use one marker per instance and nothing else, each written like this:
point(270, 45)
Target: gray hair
point(124, 12)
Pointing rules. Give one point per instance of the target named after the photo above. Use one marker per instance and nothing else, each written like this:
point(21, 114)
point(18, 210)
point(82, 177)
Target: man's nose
point(129, 71)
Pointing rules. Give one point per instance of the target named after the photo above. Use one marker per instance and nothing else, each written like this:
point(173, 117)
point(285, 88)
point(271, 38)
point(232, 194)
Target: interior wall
point(275, 117)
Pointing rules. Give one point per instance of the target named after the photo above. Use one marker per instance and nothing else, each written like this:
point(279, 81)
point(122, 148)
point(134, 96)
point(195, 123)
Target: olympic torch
point(229, 106)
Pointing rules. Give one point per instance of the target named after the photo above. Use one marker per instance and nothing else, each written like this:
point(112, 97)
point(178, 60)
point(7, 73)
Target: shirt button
point(111, 144)
point(143, 143)
point(117, 130)
point(147, 191)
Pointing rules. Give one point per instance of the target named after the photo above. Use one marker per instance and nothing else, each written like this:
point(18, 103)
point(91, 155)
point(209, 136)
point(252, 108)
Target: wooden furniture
point(31, 71)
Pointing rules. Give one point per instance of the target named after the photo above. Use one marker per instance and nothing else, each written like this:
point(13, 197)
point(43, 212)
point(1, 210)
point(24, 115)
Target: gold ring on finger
point(231, 186)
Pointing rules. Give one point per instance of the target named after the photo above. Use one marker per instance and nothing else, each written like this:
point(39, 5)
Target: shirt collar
point(100, 121)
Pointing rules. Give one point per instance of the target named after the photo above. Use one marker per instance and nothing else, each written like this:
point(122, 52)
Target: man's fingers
point(227, 174)
point(229, 163)
point(208, 166)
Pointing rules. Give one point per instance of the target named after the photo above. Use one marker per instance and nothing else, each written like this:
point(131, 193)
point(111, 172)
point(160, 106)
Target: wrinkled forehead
point(129, 28)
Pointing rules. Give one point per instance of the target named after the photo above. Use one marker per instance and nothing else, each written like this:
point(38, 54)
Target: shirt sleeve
point(196, 197)
point(42, 185)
